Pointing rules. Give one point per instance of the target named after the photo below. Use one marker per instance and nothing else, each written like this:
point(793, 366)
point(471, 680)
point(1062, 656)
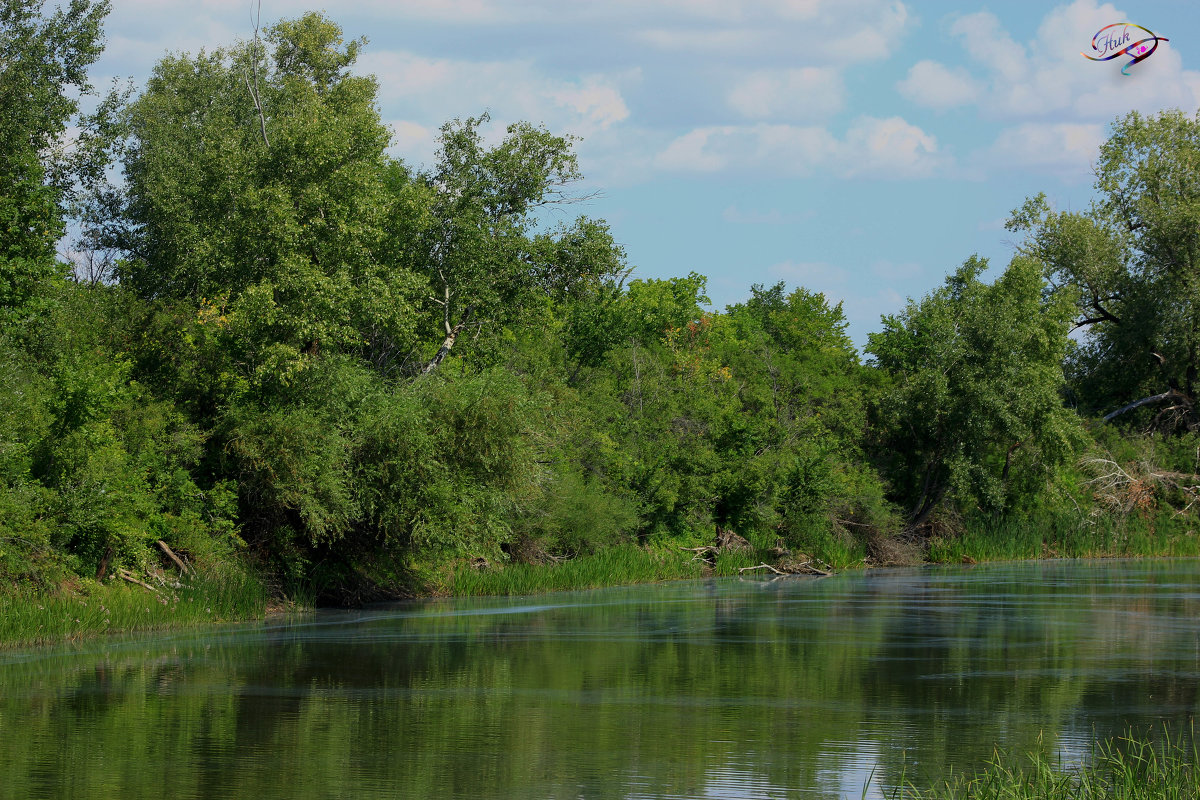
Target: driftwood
point(129, 576)
point(707, 553)
point(725, 541)
point(762, 566)
point(793, 568)
point(184, 569)
point(728, 540)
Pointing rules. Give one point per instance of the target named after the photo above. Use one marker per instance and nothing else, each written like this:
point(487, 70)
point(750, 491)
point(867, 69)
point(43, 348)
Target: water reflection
point(794, 688)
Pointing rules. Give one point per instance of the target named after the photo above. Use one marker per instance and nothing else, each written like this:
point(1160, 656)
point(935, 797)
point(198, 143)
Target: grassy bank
point(79, 608)
point(1127, 768)
point(88, 608)
point(1164, 534)
point(621, 565)
point(1016, 539)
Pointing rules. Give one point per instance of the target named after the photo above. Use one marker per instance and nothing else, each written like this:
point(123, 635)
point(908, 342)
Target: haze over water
point(727, 688)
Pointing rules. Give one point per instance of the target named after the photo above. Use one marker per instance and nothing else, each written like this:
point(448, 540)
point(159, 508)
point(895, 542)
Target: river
point(730, 688)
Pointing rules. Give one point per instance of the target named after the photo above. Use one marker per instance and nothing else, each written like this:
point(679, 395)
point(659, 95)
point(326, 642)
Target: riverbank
point(80, 609)
point(161, 599)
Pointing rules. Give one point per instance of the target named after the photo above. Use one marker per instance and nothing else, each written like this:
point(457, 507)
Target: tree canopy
point(359, 375)
point(1133, 262)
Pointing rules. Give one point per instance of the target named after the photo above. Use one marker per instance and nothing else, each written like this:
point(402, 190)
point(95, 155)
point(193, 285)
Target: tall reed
point(90, 608)
point(613, 566)
point(1129, 767)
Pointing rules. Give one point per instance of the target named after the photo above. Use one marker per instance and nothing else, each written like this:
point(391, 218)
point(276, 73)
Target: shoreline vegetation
point(319, 375)
point(1135, 766)
point(167, 597)
point(283, 368)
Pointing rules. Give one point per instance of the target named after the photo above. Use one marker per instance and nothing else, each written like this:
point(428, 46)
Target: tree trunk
point(447, 344)
point(1170, 394)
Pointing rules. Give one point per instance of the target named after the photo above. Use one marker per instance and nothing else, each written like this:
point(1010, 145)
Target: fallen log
point(793, 568)
point(763, 566)
point(129, 576)
point(179, 562)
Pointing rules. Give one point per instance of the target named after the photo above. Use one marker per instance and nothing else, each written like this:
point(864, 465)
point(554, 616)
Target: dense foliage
point(355, 374)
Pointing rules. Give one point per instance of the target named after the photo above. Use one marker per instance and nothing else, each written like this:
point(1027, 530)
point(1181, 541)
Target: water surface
point(724, 689)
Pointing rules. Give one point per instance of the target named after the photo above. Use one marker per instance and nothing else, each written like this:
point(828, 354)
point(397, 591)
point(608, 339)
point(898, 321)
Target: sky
point(859, 148)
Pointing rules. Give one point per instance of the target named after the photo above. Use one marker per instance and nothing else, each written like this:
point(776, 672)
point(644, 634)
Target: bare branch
point(255, 95)
point(1145, 401)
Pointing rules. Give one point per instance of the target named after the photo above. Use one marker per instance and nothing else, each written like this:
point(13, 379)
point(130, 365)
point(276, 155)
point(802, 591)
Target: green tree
point(799, 376)
point(483, 255)
point(973, 406)
point(43, 73)
point(258, 183)
point(1133, 261)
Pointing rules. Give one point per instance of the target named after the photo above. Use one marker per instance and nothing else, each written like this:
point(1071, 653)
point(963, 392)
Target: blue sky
point(861, 148)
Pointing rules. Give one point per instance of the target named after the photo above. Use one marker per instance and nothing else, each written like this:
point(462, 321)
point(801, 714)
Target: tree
point(1133, 260)
point(43, 72)
point(484, 259)
point(799, 375)
point(973, 406)
point(259, 183)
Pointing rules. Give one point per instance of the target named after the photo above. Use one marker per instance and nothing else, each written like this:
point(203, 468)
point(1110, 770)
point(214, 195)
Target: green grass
point(1164, 534)
point(614, 566)
point(89, 608)
point(1127, 768)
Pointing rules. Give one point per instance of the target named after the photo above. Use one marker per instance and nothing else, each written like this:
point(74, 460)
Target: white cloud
point(728, 10)
point(691, 152)
point(593, 99)
point(414, 141)
point(1055, 100)
point(1066, 149)
point(788, 149)
point(851, 31)
point(631, 77)
point(934, 85)
point(986, 41)
point(693, 40)
point(872, 147)
point(889, 147)
point(1047, 78)
point(805, 92)
point(431, 90)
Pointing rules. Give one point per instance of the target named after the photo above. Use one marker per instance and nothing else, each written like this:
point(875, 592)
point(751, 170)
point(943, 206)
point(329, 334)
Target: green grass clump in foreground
point(613, 566)
point(1128, 768)
point(88, 608)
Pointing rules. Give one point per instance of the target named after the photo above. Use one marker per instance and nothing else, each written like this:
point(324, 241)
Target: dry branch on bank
point(762, 566)
point(1135, 488)
point(184, 569)
point(126, 575)
point(793, 568)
